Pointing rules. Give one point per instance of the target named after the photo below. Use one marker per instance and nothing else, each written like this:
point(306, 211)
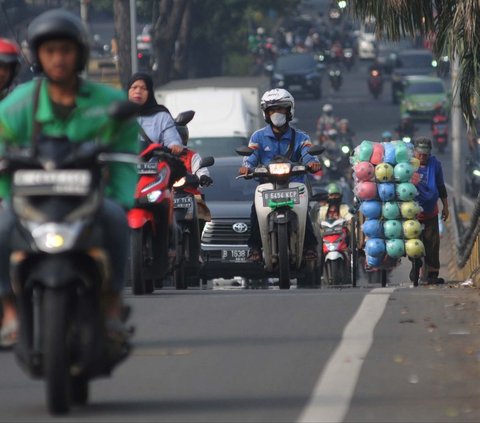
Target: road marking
point(334, 389)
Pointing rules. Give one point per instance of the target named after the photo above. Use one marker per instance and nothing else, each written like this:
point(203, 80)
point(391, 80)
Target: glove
point(205, 181)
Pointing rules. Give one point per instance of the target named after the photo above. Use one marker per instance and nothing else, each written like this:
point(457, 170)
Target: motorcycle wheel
point(384, 278)
point(79, 390)
point(55, 354)
point(336, 272)
point(137, 270)
point(179, 272)
point(283, 258)
point(353, 259)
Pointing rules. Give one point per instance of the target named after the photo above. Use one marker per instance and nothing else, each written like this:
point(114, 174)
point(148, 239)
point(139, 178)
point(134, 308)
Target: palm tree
point(455, 25)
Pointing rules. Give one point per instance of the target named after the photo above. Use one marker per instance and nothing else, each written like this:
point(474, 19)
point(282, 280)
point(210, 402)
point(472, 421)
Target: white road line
point(333, 392)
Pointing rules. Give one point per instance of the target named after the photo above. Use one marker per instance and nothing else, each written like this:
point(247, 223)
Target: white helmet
point(327, 108)
point(277, 97)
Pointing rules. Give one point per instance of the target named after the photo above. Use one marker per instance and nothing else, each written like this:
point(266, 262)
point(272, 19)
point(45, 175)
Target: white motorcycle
point(282, 208)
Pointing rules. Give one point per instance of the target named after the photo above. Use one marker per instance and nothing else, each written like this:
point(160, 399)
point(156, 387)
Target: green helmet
point(390, 210)
point(395, 248)
point(333, 188)
point(403, 172)
point(406, 191)
point(392, 229)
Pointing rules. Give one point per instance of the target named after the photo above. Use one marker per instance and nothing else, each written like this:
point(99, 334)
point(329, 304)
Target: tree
point(454, 24)
point(121, 12)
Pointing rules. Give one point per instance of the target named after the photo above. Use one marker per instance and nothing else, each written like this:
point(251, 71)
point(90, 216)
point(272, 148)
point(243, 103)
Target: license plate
point(280, 195)
point(147, 168)
point(235, 256)
point(295, 88)
point(182, 202)
point(54, 182)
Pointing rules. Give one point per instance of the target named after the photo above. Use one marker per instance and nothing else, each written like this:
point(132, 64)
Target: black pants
point(255, 240)
point(111, 225)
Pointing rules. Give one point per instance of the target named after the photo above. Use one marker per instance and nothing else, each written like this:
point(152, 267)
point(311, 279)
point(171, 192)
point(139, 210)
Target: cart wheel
point(384, 278)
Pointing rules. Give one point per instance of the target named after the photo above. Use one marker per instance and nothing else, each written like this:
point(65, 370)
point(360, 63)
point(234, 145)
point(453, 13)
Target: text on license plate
point(182, 202)
point(234, 255)
point(280, 195)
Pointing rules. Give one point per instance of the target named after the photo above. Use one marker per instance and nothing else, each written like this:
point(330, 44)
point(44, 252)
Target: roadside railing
point(466, 244)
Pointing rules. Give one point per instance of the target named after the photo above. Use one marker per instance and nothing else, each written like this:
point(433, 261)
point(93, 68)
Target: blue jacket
point(431, 185)
point(266, 147)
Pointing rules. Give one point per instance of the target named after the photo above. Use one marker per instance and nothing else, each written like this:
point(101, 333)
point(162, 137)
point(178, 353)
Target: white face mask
point(278, 119)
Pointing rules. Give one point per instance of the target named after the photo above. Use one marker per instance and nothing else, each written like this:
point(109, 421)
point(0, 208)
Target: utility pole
point(456, 118)
point(133, 36)
point(84, 17)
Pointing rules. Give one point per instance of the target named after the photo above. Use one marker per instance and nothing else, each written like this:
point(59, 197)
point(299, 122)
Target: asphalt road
point(234, 355)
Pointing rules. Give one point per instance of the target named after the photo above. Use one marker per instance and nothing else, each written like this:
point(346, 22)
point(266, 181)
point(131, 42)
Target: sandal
point(9, 334)
point(310, 254)
point(117, 331)
point(255, 255)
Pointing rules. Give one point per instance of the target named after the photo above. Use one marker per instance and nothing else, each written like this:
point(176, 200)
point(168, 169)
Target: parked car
point(224, 238)
point(298, 73)
point(408, 63)
point(421, 94)
point(472, 173)
point(387, 53)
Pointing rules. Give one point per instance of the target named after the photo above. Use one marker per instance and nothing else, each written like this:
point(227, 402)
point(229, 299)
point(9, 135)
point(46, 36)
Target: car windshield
point(425, 88)
point(295, 62)
point(226, 187)
point(415, 61)
point(216, 146)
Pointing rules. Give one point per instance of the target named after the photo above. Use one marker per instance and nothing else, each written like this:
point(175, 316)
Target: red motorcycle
point(339, 263)
point(153, 245)
point(440, 132)
point(375, 83)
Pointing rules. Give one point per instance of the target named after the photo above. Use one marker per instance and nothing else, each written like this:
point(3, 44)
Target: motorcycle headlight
point(179, 183)
point(406, 139)
point(434, 63)
point(279, 168)
point(55, 238)
point(326, 162)
point(153, 196)
point(345, 149)
point(342, 4)
point(476, 172)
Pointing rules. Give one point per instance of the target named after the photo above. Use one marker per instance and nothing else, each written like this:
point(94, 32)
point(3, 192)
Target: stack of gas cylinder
point(382, 175)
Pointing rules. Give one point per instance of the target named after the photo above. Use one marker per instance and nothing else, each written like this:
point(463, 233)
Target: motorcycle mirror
point(244, 151)
point(316, 150)
point(207, 161)
point(123, 110)
point(184, 117)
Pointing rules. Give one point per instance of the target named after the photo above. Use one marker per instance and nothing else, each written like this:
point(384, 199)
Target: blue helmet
point(371, 209)
point(373, 228)
point(386, 191)
point(374, 261)
point(375, 247)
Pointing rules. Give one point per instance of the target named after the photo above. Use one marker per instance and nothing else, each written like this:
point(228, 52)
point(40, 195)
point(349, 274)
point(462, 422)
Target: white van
point(366, 40)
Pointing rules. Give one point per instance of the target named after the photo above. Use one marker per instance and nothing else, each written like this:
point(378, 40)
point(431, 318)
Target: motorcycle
point(154, 247)
point(348, 58)
point(57, 190)
point(282, 212)
point(375, 83)
point(440, 132)
point(336, 78)
point(338, 265)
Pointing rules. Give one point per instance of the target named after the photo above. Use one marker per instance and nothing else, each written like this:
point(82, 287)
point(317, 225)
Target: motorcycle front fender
point(137, 218)
point(334, 255)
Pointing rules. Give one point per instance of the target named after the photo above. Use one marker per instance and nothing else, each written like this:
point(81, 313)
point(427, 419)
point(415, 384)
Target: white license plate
point(280, 195)
point(234, 255)
point(182, 202)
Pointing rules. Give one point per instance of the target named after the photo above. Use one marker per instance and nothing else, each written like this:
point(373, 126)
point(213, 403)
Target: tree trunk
point(181, 65)
point(165, 34)
point(121, 13)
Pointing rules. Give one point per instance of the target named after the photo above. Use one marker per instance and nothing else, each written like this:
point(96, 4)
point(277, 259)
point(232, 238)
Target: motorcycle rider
point(387, 136)
point(62, 104)
point(334, 209)
point(191, 159)
point(9, 65)
point(406, 127)
point(345, 134)
point(326, 121)
point(278, 107)
point(155, 120)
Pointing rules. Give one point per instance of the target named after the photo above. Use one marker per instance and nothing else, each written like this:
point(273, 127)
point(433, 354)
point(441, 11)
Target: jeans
point(111, 224)
point(255, 240)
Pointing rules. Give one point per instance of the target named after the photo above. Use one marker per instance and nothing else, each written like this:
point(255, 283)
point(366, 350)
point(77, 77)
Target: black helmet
point(58, 24)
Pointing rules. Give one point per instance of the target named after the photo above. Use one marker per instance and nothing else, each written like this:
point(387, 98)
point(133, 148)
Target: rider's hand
point(415, 178)
point(176, 149)
point(314, 166)
point(205, 181)
point(445, 213)
point(244, 170)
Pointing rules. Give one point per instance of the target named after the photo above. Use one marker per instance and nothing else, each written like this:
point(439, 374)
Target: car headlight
point(279, 168)
point(154, 196)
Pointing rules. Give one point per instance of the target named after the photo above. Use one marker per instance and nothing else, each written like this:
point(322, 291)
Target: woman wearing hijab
point(156, 122)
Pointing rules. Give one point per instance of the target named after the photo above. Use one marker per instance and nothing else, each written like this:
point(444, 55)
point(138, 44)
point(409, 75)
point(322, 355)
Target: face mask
point(278, 119)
